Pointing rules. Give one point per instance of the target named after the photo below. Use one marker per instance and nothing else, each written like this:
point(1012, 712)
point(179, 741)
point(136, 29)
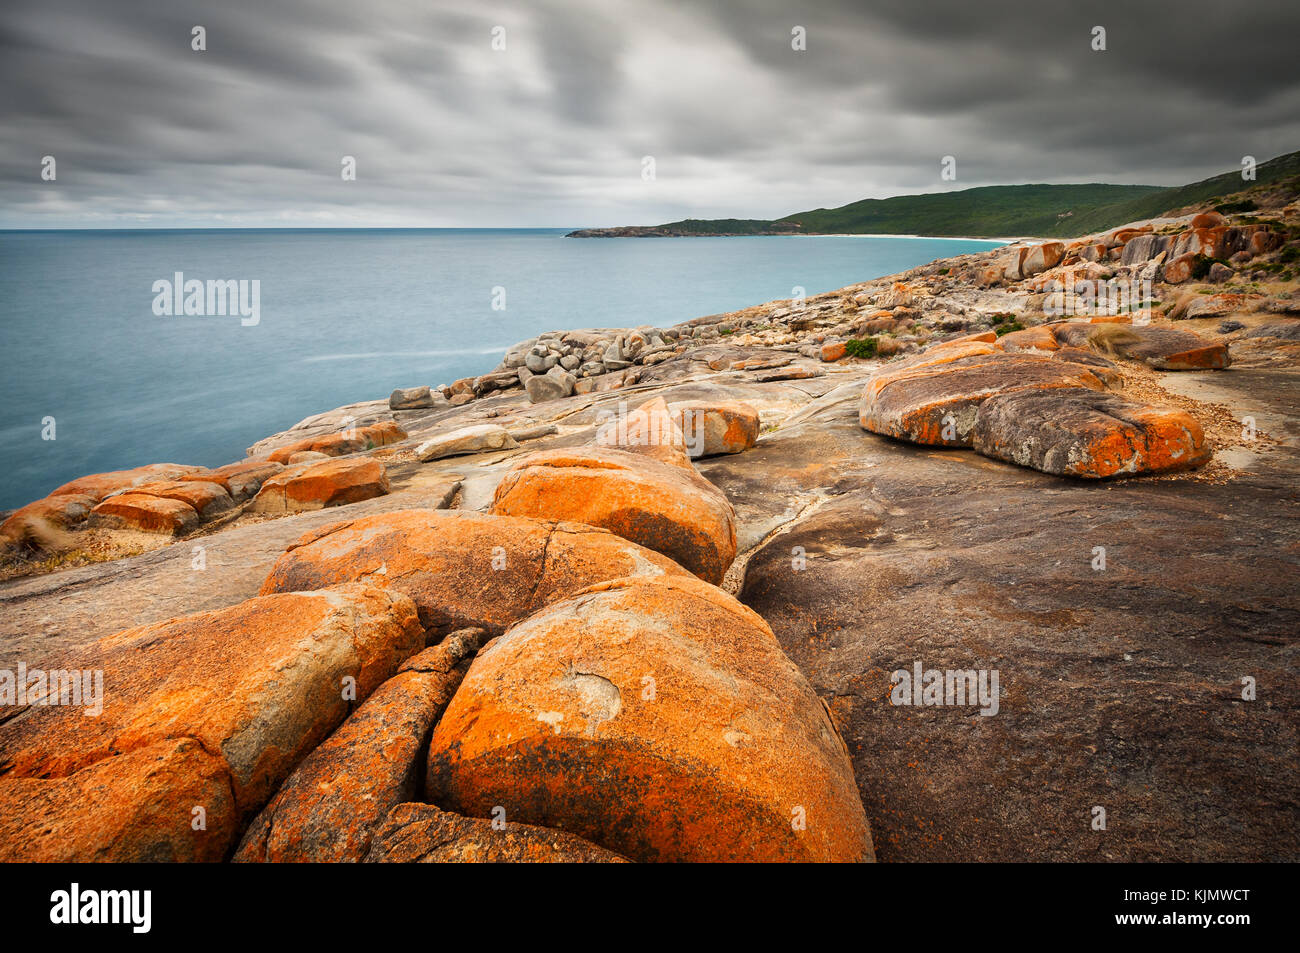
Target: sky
point(554, 128)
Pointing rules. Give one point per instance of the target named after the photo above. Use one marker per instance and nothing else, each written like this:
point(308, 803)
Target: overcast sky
point(551, 131)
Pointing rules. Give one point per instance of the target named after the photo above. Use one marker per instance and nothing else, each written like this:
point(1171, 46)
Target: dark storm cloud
point(446, 131)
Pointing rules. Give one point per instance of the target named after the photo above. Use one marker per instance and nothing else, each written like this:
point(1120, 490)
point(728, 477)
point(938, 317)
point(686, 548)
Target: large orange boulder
point(1039, 258)
point(936, 404)
point(716, 427)
point(1178, 270)
point(662, 506)
point(422, 834)
point(1077, 432)
point(329, 483)
point(207, 498)
point(657, 718)
point(328, 809)
point(256, 686)
point(463, 568)
point(650, 430)
point(148, 514)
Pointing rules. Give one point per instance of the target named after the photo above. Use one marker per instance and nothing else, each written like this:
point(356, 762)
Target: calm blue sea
point(344, 316)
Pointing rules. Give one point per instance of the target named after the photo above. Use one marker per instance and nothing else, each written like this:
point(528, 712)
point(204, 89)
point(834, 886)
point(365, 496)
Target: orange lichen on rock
point(134, 807)
point(256, 686)
point(936, 404)
point(241, 480)
point(329, 483)
point(463, 568)
point(1038, 338)
point(716, 427)
point(1082, 433)
point(43, 523)
point(833, 351)
point(207, 498)
point(979, 337)
point(353, 440)
point(659, 719)
point(99, 485)
point(670, 509)
point(149, 514)
point(650, 430)
point(329, 807)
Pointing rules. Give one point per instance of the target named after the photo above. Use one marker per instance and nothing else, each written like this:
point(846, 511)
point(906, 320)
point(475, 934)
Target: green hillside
point(992, 210)
point(1150, 206)
point(996, 210)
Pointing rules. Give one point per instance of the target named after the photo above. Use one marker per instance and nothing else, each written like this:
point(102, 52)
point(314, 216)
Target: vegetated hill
point(1172, 199)
point(995, 210)
point(991, 210)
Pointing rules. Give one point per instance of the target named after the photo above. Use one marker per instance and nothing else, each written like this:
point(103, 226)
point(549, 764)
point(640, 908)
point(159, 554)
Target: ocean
point(96, 356)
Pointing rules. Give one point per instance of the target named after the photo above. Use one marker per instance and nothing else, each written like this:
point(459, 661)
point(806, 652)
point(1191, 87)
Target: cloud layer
point(447, 131)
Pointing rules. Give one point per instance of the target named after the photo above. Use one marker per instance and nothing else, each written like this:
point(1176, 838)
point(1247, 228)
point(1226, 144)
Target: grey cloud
point(551, 132)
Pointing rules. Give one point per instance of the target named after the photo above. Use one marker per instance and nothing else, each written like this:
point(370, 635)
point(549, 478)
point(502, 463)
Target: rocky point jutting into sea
point(655, 593)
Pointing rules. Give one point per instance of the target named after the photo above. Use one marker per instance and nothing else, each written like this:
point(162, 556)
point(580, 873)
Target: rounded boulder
point(656, 718)
point(670, 509)
point(461, 568)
